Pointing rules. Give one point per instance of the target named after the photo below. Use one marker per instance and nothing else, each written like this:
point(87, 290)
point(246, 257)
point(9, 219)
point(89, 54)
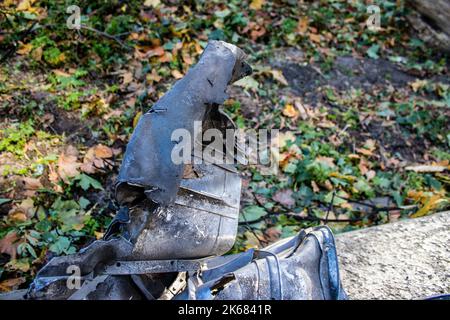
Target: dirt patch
point(347, 72)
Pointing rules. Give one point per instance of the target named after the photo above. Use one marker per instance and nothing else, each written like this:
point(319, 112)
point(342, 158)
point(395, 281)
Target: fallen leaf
point(102, 151)
point(302, 25)
point(93, 160)
point(23, 211)
point(290, 111)
point(99, 235)
point(315, 187)
point(278, 75)
point(9, 244)
point(25, 49)
point(430, 204)
point(11, 284)
point(30, 185)
point(302, 110)
point(314, 37)
point(418, 84)
point(153, 76)
point(177, 74)
point(127, 77)
point(272, 234)
point(370, 174)
point(328, 161)
point(257, 4)
point(158, 51)
point(284, 197)
point(68, 167)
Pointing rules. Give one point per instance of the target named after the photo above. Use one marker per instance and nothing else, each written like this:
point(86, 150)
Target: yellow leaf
point(136, 119)
point(418, 84)
point(257, 4)
point(98, 235)
point(278, 75)
point(429, 205)
point(302, 25)
point(25, 49)
point(11, 284)
point(290, 111)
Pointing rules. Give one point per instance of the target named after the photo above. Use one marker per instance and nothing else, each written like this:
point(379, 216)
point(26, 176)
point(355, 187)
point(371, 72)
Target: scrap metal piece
point(299, 268)
point(147, 167)
point(201, 222)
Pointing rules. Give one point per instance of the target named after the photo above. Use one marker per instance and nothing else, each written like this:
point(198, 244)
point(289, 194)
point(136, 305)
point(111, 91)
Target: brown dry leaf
point(68, 166)
point(272, 234)
point(363, 166)
point(315, 187)
point(167, 57)
point(187, 58)
point(102, 151)
point(290, 111)
point(370, 144)
point(328, 185)
point(93, 159)
point(314, 37)
point(284, 197)
point(153, 76)
point(61, 73)
point(364, 151)
point(302, 25)
point(157, 51)
point(30, 185)
point(9, 244)
point(127, 77)
point(177, 74)
point(257, 4)
point(11, 284)
point(257, 30)
point(23, 211)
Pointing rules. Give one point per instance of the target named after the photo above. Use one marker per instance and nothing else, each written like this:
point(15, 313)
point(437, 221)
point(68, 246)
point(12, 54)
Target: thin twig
point(106, 35)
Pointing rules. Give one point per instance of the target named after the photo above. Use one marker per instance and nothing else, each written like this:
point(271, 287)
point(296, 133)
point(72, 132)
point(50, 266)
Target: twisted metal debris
point(169, 235)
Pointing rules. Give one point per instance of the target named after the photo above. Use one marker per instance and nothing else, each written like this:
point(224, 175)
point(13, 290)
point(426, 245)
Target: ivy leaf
point(85, 182)
point(4, 200)
point(62, 245)
point(252, 213)
point(372, 52)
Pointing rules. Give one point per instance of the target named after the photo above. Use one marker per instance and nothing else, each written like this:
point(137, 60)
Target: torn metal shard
point(148, 160)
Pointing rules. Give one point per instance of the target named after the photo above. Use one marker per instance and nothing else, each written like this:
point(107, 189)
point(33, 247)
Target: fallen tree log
point(409, 259)
point(431, 19)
